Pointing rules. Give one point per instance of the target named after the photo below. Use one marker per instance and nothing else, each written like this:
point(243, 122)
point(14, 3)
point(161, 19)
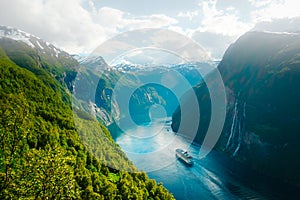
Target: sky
point(79, 26)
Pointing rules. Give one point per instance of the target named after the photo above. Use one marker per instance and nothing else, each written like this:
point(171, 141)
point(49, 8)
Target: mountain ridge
point(261, 74)
point(31, 40)
point(46, 149)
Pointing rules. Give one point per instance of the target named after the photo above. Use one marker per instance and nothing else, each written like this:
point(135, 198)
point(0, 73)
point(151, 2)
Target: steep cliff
point(261, 72)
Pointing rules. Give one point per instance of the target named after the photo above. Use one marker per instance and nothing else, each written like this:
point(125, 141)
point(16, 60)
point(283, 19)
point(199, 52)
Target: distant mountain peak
point(31, 40)
point(94, 61)
point(16, 34)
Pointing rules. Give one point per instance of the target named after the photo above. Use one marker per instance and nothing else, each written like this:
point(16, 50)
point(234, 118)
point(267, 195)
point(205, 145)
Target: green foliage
point(43, 156)
point(43, 174)
point(45, 67)
point(114, 177)
point(93, 135)
point(14, 126)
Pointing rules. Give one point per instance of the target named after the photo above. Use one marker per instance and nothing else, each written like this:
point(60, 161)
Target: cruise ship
point(184, 156)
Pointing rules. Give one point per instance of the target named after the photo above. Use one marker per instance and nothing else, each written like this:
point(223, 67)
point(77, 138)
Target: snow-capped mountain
point(125, 66)
point(182, 67)
point(32, 41)
point(95, 62)
point(39, 57)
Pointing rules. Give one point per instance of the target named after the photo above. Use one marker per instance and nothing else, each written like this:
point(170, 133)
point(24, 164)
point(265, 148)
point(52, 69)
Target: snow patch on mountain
point(39, 45)
point(30, 40)
point(16, 34)
point(93, 61)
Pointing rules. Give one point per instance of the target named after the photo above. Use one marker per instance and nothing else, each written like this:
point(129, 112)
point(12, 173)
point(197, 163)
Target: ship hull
point(184, 157)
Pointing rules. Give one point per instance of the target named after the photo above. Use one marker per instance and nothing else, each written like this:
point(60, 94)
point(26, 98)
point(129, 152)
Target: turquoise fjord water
point(152, 148)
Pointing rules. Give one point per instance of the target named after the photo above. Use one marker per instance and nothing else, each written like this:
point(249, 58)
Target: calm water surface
point(152, 148)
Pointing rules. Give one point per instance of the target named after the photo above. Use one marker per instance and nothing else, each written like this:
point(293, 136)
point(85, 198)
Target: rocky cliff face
point(261, 72)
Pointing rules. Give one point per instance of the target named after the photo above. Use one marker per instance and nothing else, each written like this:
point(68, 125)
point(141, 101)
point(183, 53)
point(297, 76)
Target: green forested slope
point(42, 155)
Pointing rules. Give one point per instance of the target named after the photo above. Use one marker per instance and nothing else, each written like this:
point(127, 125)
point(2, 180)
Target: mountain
point(34, 42)
point(261, 73)
point(53, 55)
point(40, 57)
point(94, 62)
point(148, 86)
point(48, 150)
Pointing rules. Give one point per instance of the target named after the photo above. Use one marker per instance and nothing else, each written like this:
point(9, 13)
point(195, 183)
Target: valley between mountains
point(60, 121)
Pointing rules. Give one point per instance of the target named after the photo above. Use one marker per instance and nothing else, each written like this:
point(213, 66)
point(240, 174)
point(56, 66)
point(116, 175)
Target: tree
point(46, 174)
point(14, 126)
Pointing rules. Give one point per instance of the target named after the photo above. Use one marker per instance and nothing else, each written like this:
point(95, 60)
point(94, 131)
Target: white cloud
point(285, 25)
point(79, 26)
point(189, 14)
point(226, 22)
point(152, 21)
point(276, 9)
point(64, 23)
point(108, 17)
point(214, 44)
point(260, 3)
point(72, 27)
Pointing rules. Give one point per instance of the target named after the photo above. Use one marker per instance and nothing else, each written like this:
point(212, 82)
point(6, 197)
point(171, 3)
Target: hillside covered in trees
point(43, 155)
